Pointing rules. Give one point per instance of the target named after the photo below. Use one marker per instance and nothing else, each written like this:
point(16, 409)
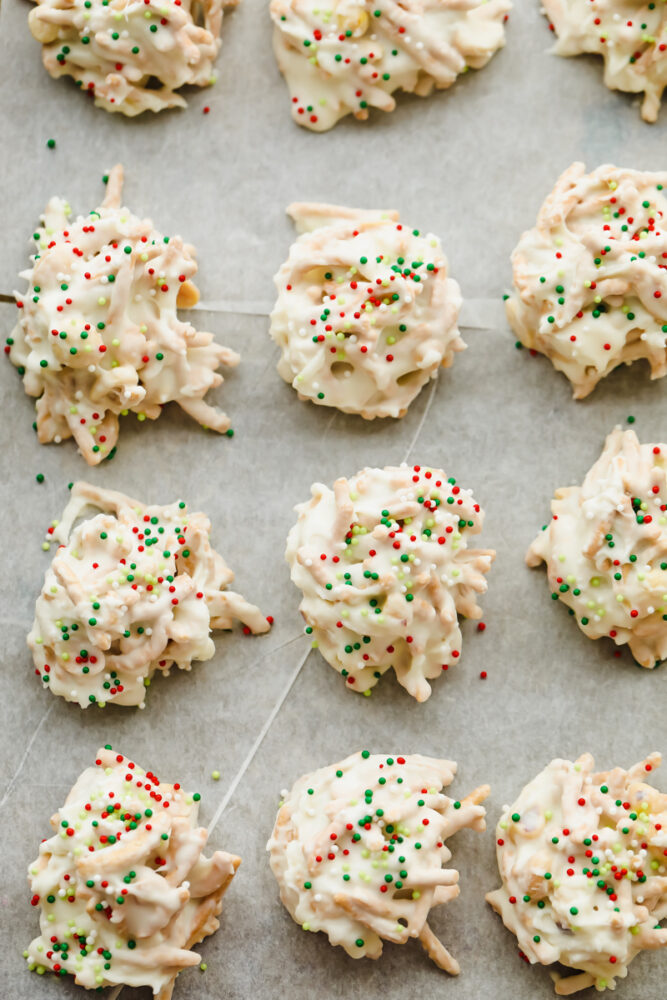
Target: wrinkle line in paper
point(476, 314)
point(12, 781)
point(420, 426)
point(258, 742)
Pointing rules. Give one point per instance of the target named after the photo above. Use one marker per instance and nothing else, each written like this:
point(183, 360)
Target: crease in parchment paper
point(476, 314)
point(420, 426)
point(14, 778)
point(12, 781)
point(252, 753)
point(270, 719)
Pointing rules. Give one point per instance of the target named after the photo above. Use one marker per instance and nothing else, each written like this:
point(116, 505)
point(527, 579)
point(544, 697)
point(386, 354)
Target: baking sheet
point(473, 164)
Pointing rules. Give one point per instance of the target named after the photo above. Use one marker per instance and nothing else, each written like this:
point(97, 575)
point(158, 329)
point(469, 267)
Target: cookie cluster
point(358, 850)
point(385, 570)
point(99, 334)
point(352, 55)
point(630, 36)
point(123, 887)
point(366, 312)
point(605, 548)
point(131, 55)
point(582, 861)
point(590, 279)
point(134, 590)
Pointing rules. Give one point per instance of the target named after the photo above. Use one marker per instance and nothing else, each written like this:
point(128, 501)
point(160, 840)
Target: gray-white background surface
point(473, 164)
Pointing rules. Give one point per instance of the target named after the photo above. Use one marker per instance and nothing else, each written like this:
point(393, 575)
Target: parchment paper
point(473, 164)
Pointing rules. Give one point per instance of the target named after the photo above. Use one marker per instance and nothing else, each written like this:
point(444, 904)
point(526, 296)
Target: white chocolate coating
point(366, 313)
point(358, 851)
point(605, 547)
point(344, 59)
point(588, 851)
point(123, 887)
point(132, 590)
point(99, 333)
point(384, 566)
point(117, 51)
point(591, 277)
point(630, 35)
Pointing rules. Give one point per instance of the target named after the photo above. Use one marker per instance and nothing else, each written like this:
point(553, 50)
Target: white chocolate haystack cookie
point(385, 570)
point(591, 277)
point(99, 334)
point(131, 55)
point(605, 548)
point(134, 590)
point(351, 56)
point(366, 313)
point(123, 887)
point(630, 35)
point(358, 851)
point(582, 862)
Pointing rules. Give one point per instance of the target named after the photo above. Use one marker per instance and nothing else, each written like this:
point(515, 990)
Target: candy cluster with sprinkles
point(358, 850)
point(131, 55)
point(384, 566)
point(582, 859)
point(366, 313)
point(591, 277)
point(99, 334)
point(351, 55)
point(630, 35)
point(605, 548)
point(133, 590)
point(123, 887)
